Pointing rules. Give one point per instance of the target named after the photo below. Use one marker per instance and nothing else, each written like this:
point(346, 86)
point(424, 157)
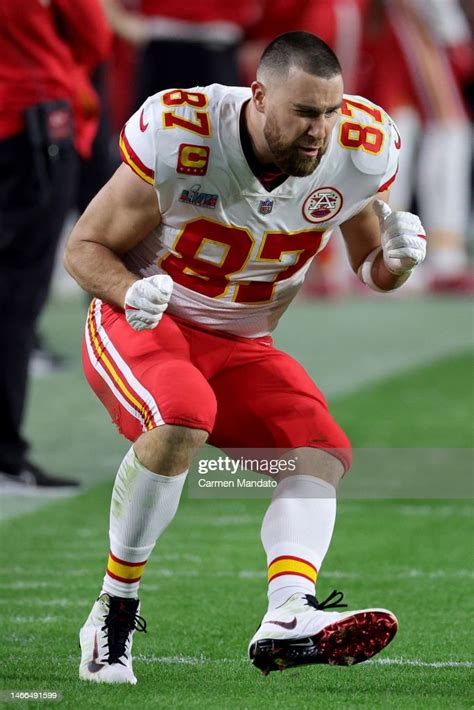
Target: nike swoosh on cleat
point(92, 666)
point(95, 667)
point(284, 624)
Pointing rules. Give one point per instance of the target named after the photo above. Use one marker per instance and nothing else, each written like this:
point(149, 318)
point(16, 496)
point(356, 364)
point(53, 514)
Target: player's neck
point(269, 174)
point(253, 123)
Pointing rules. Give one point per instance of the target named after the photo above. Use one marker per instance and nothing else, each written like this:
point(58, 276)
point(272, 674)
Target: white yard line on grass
point(30, 585)
point(14, 505)
point(30, 620)
point(181, 660)
point(166, 573)
point(59, 603)
point(423, 664)
point(202, 661)
point(414, 510)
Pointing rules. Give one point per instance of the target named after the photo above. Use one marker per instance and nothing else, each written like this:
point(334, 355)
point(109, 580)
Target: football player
point(193, 251)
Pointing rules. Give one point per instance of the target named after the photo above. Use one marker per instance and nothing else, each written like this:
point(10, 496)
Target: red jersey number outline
point(188, 268)
point(201, 126)
point(358, 136)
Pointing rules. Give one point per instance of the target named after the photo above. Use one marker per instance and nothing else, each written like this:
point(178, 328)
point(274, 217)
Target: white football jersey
point(237, 253)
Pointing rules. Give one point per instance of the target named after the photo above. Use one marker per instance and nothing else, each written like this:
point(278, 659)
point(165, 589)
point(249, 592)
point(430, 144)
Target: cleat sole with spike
point(352, 640)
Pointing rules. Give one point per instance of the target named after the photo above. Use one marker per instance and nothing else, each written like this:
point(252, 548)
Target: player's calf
point(143, 504)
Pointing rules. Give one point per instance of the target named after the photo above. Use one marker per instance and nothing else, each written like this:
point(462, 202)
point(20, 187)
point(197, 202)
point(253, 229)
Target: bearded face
point(290, 156)
point(300, 112)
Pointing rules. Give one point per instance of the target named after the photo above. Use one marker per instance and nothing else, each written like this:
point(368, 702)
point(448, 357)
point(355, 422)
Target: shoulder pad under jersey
point(378, 127)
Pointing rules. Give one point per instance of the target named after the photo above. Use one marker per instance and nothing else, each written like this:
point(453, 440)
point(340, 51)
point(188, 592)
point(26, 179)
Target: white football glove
point(403, 239)
point(146, 300)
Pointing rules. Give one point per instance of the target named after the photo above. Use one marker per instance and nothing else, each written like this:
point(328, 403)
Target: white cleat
point(301, 632)
point(106, 640)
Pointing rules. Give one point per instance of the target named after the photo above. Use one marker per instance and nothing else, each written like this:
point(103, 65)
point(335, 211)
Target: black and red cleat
point(301, 632)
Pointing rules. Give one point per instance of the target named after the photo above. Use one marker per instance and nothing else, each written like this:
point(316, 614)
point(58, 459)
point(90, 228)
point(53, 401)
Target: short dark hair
point(301, 49)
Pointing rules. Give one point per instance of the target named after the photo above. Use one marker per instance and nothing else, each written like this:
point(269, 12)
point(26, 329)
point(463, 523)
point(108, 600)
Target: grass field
point(204, 589)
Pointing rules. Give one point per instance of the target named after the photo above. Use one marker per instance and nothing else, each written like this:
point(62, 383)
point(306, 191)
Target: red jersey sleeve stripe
point(131, 158)
point(389, 182)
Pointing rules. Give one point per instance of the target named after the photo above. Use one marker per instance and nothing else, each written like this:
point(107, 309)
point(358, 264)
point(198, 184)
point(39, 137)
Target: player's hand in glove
point(403, 238)
point(146, 300)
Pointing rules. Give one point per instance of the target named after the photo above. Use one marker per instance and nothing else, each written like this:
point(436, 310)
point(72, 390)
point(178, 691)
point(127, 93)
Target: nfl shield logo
point(265, 206)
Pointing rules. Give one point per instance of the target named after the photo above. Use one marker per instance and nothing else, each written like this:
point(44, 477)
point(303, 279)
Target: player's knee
point(169, 450)
point(341, 447)
point(180, 438)
point(334, 441)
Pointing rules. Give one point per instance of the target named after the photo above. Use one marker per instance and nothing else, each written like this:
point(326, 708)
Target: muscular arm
point(362, 235)
point(121, 215)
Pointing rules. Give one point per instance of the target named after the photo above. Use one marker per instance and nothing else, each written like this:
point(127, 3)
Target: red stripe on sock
point(292, 557)
point(298, 574)
point(127, 564)
point(122, 579)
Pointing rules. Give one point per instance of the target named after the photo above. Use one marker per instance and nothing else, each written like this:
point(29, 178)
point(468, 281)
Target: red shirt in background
point(338, 22)
point(241, 12)
point(47, 49)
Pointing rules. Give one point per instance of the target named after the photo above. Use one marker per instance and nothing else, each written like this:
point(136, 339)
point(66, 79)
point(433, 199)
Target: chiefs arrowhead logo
point(322, 205)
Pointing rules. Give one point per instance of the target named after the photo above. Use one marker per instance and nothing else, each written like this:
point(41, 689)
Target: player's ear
point(258, 95)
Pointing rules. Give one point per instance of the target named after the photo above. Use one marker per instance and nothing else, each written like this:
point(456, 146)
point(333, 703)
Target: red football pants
point(244, 392)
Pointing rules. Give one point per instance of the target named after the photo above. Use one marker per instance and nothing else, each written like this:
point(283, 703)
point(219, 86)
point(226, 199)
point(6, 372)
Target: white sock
point(409, 126)
point(143, 505)
point(296, 533)
point(444, 169)
point(447, 262)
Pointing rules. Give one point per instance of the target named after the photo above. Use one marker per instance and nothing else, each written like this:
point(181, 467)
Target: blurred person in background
point(337, 22)
point(183, 44)
point(93, 172)
point(48, 117)
point(416, 54)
